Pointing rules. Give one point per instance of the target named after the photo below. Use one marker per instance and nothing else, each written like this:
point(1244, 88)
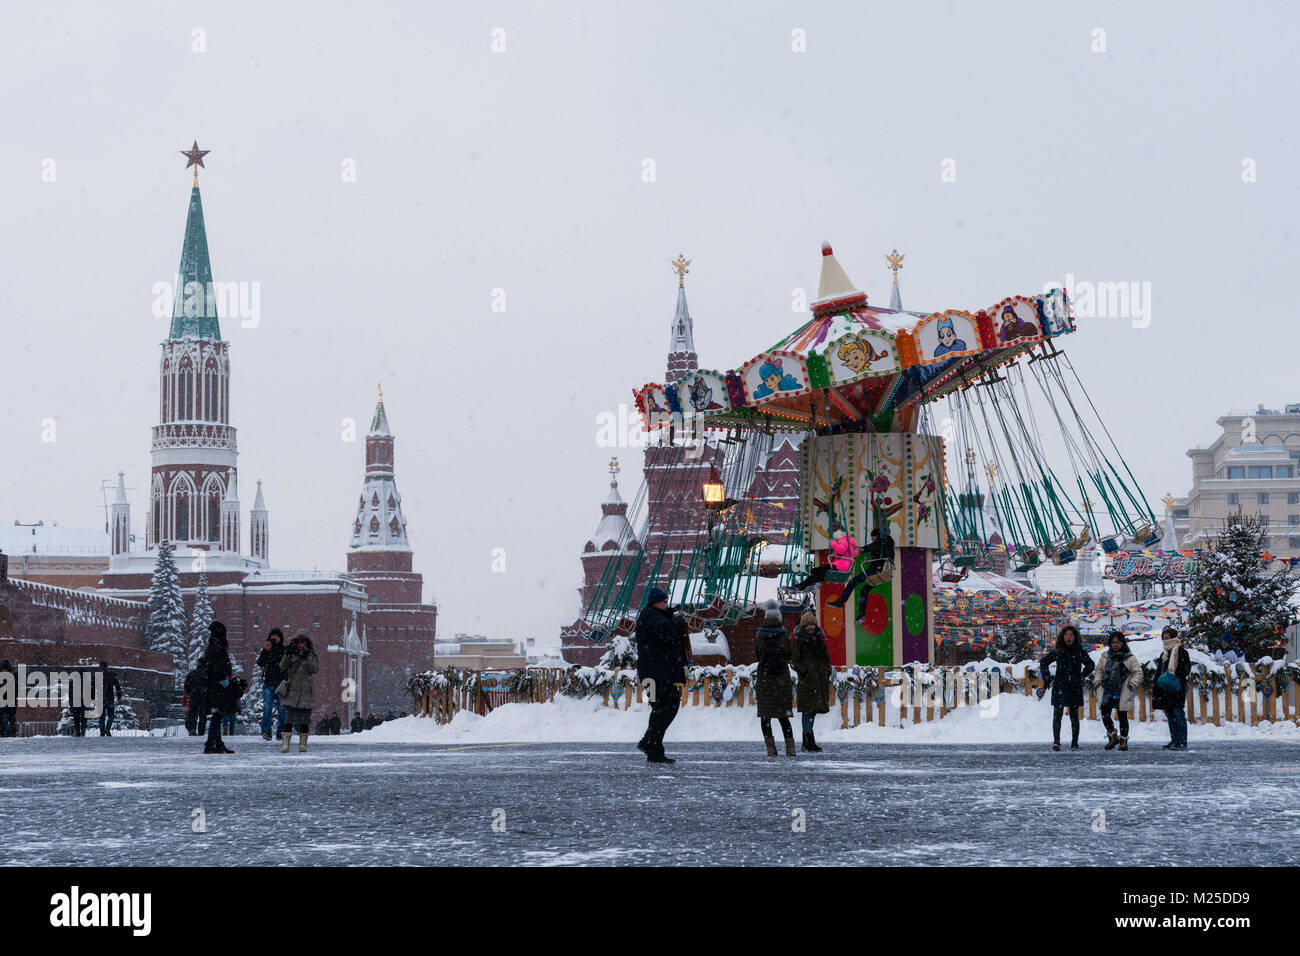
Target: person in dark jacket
point(300, 666)
point(196, 717)
point(871, 561)
point(1175, 660)
point(1119, 675)
point(773, 687)
point(811, 661)
point(218, 673)
point(660, 668)
point(336, 725)
point(1073, 667)
point(271, 661)
point(112, 692)
point(9, 715)
point(357, 723)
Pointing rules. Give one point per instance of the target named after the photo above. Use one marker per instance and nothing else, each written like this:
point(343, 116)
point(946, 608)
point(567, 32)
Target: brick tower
point(614, 542)
point(399, 629)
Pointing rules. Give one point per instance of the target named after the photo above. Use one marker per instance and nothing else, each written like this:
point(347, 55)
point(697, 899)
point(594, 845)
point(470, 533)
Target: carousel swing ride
point(860, 385)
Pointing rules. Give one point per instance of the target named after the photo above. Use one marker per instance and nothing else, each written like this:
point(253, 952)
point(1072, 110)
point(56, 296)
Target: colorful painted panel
point(1016, 319)
point(874, 630)
point(944, 335)
point(914, 600)
point(826, 488)
point(1055, 312)
point(923, 464)
point(859, 356)
point(652, 402)
point(775, 375)
point(880, 489)
point(704, 392)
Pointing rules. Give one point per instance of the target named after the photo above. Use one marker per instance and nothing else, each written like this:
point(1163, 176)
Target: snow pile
point(1005, 718)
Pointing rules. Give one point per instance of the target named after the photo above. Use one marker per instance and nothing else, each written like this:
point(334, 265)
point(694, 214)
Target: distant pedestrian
point(660, 669)
point(112, 692)
point(218, 686)
point(77, 711)
point(1119, 675)
point(1073, 667)
point(1228, 652)
point(811, 660)
point(9, 714)
point(300, 666)
point(357, 724)
point(370, 721)
point(335, 724)
point(1175, 665)
point(270, 660)
point(773, 687)
point(196, 718)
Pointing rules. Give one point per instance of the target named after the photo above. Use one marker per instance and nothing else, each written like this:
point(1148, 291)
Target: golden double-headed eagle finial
point(681, 265)
point(895, 260)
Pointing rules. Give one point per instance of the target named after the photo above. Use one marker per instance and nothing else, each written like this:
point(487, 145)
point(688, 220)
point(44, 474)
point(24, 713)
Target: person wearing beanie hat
point(1119, 675)
point(811, 660)
point(661, 661)
point(1176, 662)
point(1228, 652)
point(772, 686)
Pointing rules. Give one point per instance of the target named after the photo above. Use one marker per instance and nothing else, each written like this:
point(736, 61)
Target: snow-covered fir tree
point(1235, 592)
point(621, 654)
point(166, 609)
point(199, 621)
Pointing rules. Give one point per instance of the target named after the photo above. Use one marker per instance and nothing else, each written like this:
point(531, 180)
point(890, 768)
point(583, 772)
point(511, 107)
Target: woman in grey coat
point(300, 665)
point(773, 687)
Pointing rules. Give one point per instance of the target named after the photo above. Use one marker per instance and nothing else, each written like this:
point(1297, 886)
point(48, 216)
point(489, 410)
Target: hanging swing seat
point(1059, 552)
point(625, 626)
point(1147, 536)
point(794, 601)
point(885, 574)
point(950, 574)
point(1110, 545)
point(1029, 559)
point(1077, 544)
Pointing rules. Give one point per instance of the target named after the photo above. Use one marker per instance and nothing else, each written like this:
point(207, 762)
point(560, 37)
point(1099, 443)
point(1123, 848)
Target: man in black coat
point(9, 715)
point(357, 724)
point(271, 661)
point(660, 669)
point(112, 692)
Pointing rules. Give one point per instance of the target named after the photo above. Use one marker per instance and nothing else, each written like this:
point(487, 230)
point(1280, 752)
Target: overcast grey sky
point(522, 170)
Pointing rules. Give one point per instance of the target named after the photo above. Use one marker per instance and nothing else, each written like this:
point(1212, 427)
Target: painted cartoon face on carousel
point(700, 395)
point(948, 341)
point(858, 356)
point(1013, 327)
point(775, 379)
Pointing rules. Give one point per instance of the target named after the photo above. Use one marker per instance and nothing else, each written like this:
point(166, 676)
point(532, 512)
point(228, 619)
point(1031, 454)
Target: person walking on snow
point(1119, 675)
point(773, 687)
point(271, 660)
point(812, 663)
point(1073, 667)
point(660, 661)
point(1173, 701)
point(300, 664)
point(217, 686)
point(112, 694)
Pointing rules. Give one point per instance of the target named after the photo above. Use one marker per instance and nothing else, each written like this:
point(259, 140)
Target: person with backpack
point(270, 660)
point(1073, 667)
point(811, 661)
point(1170, 691)
point(773, 687)
point(1119, 675)
point(300, 666)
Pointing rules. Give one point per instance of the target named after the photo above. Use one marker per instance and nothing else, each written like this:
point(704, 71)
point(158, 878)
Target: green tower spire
point(194, 307)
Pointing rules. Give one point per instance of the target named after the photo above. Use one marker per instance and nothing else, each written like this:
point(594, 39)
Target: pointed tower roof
point(835, 290)
point(895, 260)
point(379, 424)
point(121, 489)
point(258, 503)
point(682, 359)
point(614, 533)
point(683, 339)
point(232, 487)
point(194, 309)
point(1169, 537)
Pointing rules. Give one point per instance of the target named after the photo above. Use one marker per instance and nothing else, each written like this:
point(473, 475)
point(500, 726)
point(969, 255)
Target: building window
point(1234, 498)
point(1259, 471)
point(286, 620)
point(316, 622)
point(257, 621)
point(1293, 520)
point(1180, 512)
point(1236, 472)
point(1293, 497)
point(1284, 471)
point(1263, 519)
point(1262, 498)
point(1293, 543)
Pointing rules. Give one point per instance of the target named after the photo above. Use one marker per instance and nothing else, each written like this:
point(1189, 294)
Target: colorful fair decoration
point(946, 335)
point(1153, 565)
point(1016, 320)
point(1054, 312)
point(704, 392)
point(861, 355)
point(775, 375)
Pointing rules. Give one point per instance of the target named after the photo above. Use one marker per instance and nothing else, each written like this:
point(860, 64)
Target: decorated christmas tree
point(199, 622)
point(166, 610)
point(1236, 592)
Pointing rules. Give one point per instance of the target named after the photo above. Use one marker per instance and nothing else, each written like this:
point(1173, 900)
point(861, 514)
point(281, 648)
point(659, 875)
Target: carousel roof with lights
point(856, 365)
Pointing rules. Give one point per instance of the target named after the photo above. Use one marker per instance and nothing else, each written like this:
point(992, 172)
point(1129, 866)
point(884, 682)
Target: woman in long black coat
point(1073, 665)
point(217, 678)
point(773, 687)
point(811, 660)
point(1175, 660)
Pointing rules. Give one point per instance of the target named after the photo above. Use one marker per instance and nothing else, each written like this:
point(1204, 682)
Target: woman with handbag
point(1170, 694)
point(812, 662)
point(298, 689)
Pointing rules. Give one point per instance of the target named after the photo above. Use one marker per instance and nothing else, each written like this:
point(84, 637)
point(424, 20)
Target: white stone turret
point(120, 519)
point(259, 528)
point(230, 514)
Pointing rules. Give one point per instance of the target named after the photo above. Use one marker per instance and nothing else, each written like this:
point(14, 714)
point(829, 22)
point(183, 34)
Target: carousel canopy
point(854, 364)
